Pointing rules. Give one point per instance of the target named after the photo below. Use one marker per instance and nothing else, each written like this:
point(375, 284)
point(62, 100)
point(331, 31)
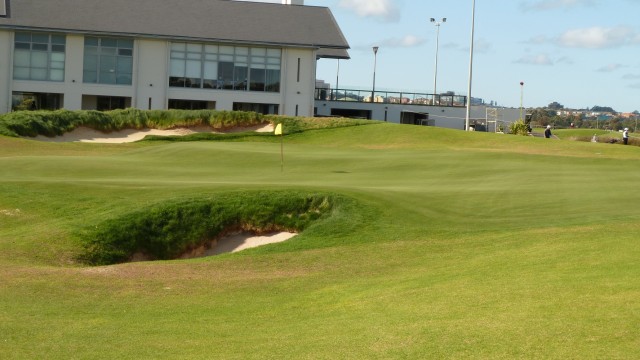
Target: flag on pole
point(278, 131)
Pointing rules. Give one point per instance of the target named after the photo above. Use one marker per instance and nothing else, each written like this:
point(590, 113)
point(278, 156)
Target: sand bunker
point(83, 134)
point(241, 241)
point(232, 243)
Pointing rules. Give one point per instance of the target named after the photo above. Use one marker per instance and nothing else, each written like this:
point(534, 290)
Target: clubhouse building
point(150, 54)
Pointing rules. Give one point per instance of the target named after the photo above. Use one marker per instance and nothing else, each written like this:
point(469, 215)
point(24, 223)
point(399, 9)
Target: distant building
point(149, 54)
point(445, 110)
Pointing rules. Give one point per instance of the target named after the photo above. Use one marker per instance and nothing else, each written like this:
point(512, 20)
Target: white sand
point(231, 243)
point(241, 241)
point(83, 134)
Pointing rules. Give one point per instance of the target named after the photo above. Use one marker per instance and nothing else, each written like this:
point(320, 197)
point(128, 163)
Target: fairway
point(448, 245)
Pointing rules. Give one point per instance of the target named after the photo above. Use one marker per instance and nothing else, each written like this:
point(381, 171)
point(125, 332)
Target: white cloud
point(610, 68)
point(554, 4)
point(404, 42)
point(537, 40)
point(598, 37)
point(384, 9)
point(540, 59)
point(564, 60)
point(480, 46)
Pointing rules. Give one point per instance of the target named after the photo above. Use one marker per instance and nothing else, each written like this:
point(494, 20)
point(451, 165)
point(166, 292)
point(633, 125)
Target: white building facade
point(199, 54)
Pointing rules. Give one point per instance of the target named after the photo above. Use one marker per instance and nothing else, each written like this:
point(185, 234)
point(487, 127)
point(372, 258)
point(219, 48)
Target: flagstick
point(278, 131)
point(281, 153)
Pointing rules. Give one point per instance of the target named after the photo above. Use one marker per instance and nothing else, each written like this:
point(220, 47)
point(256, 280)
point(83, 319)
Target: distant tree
point(541, 116)
point(555, 106)
point(603, 109)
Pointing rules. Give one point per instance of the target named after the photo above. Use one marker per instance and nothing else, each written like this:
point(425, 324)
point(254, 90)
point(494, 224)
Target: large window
point(39, 56)
point(265, 109)
point(207, 66)
point(190, 104)
point(35, 101)
point(108, 60)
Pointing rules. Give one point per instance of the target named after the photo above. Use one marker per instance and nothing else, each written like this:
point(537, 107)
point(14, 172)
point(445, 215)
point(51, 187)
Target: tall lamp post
point(337, 80)
point(473, 17)
point(435, 75)
point(375, 57)
point(521, 98)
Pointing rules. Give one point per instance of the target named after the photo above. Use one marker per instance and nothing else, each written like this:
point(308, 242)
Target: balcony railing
point(390, 97)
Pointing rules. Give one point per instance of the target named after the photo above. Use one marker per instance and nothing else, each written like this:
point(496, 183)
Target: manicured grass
point(452, 245)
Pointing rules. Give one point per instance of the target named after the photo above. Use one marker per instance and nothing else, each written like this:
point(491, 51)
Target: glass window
point(211, 49)
point(21, 73)
point(272, 83)
point(23, 37)
point(210, 75)
point(108, 60)
point(58, 39)
point(22, 58)
point(226, 50)
point(212, 66)
point(56, 75)
point(39, 56)
point(257, 78)
point(39, 59)
point(40, 38)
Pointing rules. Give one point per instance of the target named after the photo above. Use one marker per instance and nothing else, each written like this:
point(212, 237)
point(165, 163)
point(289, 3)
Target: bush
point(519, 128)
point(58, 122)
point(167, 230)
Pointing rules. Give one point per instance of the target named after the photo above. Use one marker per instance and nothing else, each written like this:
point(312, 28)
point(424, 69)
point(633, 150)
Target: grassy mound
point(169, 229)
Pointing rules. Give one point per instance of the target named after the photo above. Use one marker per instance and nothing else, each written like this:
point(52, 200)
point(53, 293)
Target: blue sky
point(580, 53)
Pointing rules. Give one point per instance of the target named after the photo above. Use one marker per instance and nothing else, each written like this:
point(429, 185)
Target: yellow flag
point(278, 130)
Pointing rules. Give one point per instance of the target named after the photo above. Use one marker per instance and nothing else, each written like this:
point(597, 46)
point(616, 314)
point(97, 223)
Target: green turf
point(455, 245)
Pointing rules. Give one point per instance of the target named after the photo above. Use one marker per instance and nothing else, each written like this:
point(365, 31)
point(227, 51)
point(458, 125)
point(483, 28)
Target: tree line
point(598, 117)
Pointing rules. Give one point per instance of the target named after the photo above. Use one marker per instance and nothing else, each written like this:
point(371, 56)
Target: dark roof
point(333, 53)
point(206, 20)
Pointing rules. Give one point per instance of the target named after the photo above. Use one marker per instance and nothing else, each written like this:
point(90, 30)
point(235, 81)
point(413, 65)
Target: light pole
point(337, 80)
point(521, 98)
point(435, 75)
point(473, 17)
point(375, 57)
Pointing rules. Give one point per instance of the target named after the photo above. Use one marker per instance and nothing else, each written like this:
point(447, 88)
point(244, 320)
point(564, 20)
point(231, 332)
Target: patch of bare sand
point(237, 242)
point(84, 134)
point(241, 241)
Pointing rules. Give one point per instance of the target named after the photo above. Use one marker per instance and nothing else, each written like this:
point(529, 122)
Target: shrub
point(58, 122)
point(519, 128)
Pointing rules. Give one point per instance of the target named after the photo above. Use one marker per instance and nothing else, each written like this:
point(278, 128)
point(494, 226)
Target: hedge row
point(58, 122)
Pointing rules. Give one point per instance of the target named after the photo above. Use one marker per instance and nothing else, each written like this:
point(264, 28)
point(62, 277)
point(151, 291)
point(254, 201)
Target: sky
point(579, 53)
